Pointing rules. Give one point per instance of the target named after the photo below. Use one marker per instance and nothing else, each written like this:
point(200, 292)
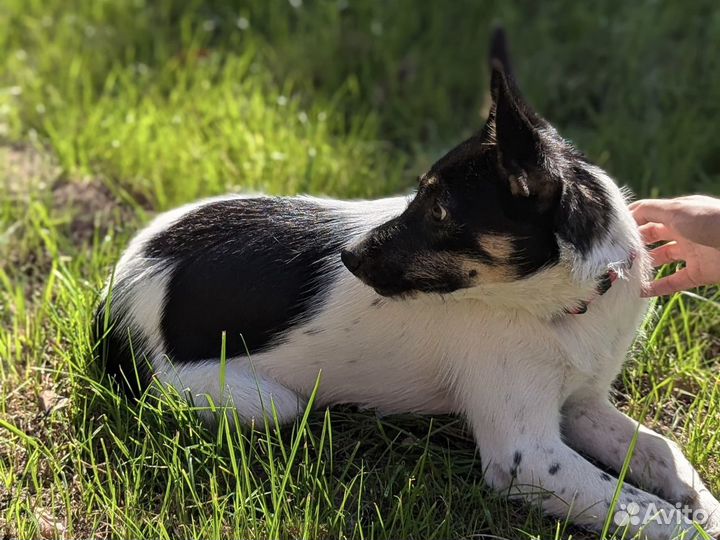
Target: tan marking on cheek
point(428, 266)
point(479, 272)
point(498, 246)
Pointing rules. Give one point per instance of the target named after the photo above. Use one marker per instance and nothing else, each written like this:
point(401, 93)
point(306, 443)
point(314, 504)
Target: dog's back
point(229, 276)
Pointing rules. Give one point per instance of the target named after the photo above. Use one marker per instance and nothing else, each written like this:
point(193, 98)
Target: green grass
point(112, 110)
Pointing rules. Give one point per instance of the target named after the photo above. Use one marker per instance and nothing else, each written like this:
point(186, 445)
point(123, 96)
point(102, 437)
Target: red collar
point(605, 281)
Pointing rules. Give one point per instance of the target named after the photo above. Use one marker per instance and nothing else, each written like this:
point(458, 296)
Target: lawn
point(111, 110)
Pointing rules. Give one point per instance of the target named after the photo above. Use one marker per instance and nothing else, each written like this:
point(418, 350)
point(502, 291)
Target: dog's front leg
point(516, 422)
point(593, 426)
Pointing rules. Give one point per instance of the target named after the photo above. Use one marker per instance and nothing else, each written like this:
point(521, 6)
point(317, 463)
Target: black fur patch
point(585, 211)
point(554, 468)
point(253, 268)
point(118, 351)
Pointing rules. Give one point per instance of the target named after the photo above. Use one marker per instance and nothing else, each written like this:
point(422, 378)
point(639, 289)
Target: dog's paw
point(712, 525)
point(709, 511)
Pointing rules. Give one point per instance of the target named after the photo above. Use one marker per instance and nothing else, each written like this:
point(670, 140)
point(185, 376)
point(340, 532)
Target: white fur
point(504, 355)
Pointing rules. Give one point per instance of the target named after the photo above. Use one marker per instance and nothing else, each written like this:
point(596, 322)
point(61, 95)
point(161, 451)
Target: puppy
point(506, 289)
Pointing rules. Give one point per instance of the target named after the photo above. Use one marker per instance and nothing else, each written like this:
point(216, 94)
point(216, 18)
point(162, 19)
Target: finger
point(655, 232)
point(667, 253)
point(679, 281)
point(656, 210)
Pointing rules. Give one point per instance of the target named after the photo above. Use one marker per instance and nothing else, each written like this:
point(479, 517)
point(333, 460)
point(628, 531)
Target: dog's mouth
point(396, 290)
point(396, 285)
point(400, 292)
point(390, 292)
point(386, 288)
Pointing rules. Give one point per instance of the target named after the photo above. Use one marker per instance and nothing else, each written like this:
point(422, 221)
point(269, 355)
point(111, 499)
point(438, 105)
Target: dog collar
point(605, 281)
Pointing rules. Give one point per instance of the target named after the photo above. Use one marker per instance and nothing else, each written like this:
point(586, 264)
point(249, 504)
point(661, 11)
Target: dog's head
point(494, 209)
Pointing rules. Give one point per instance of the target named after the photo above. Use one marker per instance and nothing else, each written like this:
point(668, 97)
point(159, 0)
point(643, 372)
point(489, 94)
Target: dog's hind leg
point(252, 394)
point(593, 426)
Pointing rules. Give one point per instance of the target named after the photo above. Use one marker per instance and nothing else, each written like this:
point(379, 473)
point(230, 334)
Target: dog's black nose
point(350, 259)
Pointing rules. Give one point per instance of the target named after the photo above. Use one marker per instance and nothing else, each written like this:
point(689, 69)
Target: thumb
point(679, 281)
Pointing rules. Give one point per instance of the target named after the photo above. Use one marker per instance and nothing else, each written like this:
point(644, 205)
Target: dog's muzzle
point(351, 260)
point(357, 262)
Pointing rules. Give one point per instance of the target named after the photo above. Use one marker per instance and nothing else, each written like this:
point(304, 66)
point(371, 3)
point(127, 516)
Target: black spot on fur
point(252, 267)
point(313, 331)
point(517, 459)
point(472, 273)
point(554, 468)
point(604, 284)
point(606, 477)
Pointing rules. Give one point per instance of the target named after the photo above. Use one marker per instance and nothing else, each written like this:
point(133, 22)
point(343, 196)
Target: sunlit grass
point(110, 111)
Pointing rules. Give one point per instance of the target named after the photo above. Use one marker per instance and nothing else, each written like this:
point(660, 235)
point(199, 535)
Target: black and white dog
point(507, 289)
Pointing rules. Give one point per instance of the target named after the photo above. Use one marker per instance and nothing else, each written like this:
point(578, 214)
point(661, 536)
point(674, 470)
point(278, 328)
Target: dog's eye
point(439, 212)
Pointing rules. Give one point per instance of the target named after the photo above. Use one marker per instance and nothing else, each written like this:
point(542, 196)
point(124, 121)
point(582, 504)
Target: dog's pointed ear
point(516, 129)
point(499, 54)
point(516, 138)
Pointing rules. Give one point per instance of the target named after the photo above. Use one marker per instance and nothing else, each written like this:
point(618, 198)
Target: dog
point(506, 289)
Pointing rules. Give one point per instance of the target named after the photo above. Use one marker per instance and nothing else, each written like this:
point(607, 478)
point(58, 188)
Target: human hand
point(690, 226)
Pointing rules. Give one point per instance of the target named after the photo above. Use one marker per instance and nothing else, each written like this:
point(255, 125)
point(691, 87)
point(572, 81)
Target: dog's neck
point(614, 272)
